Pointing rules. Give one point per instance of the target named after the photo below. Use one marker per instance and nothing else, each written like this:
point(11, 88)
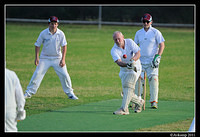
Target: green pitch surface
point(98, 117)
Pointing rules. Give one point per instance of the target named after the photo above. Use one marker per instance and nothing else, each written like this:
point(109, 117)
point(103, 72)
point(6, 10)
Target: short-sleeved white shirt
point(51, 43)
point(149, 43)
point(130, 49)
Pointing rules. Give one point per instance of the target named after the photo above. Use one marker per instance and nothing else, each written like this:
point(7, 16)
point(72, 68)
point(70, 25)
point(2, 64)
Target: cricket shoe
point(138, 108)
point(73, 97)
point(154, 105)
point(27, 95)
point(121, 111)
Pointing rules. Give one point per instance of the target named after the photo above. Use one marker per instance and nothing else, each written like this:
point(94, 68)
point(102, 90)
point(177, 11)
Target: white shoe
point(72, 96)
point(27, 95)
point(120, 111)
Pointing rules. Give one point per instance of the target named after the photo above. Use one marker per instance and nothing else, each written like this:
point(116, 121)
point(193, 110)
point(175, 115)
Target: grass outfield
point(94, 75)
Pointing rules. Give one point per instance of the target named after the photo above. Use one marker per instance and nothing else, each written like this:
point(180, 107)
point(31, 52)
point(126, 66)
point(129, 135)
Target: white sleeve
point(136, 40)
point(135, 47)
point(19, 95)
point(39, 41)
point(63, 40)
point(159, 37)
point(114, 55)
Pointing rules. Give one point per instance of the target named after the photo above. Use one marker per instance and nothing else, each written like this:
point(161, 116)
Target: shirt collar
point(149, 28)
point(51, 33)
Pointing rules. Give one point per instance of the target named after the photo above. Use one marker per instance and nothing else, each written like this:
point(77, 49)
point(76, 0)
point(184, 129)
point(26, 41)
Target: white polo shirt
point(149, 43)
point(130, 49)
point(51, 43)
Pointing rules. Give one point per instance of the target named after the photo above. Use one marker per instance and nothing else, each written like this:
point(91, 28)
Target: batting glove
point(131, 65)
point(156, 61)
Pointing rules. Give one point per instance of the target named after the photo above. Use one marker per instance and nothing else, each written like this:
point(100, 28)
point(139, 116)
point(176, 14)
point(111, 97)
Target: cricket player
point(126, 54)
point(52, 39)
point(14, 101)
point(152, 45)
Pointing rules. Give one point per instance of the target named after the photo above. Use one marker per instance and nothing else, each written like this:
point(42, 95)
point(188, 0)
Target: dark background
point(161, 14)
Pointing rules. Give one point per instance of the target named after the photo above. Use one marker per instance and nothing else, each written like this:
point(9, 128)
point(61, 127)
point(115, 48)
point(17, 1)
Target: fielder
point(126, 54)
point(52, 39)
point(13, 99)
point(152, 45)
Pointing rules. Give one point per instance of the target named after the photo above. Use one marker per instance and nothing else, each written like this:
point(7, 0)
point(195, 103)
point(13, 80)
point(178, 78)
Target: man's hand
point(62, 63)
point(131, 65)
point(36, 61)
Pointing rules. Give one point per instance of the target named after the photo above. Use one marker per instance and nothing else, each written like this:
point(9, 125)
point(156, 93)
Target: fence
point(99, 23)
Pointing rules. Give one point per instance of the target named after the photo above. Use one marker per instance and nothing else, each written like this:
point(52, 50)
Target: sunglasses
point(146, 21)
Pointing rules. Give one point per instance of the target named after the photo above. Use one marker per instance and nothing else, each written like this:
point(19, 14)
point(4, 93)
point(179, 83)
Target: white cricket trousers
point(41, 69)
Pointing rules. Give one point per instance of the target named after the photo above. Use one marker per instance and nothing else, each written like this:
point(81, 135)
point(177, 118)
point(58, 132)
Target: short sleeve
point(63, 40)
point(159, 37)
point(114, 55)
point(134, 46)
point(39, 41)
point(136, 40)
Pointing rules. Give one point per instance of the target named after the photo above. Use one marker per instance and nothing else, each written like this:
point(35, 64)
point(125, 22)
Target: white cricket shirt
point(130, 49)
point(14, 97)
point(149, 43)
point(51, 43)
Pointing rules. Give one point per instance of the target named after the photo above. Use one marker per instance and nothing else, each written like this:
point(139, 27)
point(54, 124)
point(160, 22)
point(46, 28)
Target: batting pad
point(128, 85)
point(153, 84)
point(128, 79)
point(127, 95)
point(135, 99)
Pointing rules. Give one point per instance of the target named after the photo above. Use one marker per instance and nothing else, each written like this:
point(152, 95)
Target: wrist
point(63, 59)
point(133, 59)
point(158, 54)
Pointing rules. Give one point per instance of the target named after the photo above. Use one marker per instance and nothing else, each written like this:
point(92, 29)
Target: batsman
point(126, 54)
point(152, 45)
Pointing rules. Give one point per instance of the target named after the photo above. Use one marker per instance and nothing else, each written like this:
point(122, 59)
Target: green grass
point(94, 75)
point(181, 125)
